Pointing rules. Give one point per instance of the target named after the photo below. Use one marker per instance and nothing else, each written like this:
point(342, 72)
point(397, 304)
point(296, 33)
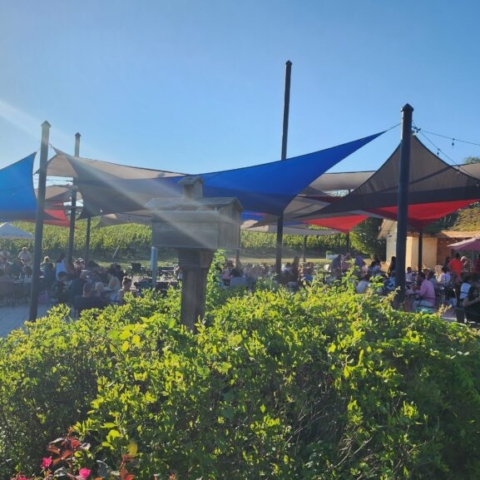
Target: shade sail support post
point(73, 209)
point(402, 212)
point(286, 110)
point(40, 216)
point(420, 250)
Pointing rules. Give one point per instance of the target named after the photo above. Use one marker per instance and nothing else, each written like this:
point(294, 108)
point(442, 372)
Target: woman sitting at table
point(471, 304)
point(126, 286)
point(113, 283)
point(425, 297)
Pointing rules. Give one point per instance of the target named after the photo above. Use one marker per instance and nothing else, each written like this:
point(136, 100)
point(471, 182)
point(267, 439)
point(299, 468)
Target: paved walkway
point(14, 317)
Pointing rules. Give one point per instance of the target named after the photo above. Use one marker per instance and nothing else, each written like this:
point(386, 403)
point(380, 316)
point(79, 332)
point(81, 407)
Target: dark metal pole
point(402, 218)
point(286, 109)
point(305, 248)
point(347, 239)
point(73, 209)
point(420, 250)
point(42, 185)
point(87, 240)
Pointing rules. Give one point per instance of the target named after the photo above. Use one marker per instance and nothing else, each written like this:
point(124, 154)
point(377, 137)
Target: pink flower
point(21, 477)
point(46, 462)
point(84, 473)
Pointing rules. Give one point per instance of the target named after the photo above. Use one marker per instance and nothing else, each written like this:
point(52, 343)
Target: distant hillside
point(467, 219)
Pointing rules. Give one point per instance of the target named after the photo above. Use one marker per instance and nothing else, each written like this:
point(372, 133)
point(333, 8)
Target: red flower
point(46, 462)
point(84, 473)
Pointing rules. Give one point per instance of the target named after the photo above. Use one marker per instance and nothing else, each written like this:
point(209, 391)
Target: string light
point(453, 139)
point(417, 130)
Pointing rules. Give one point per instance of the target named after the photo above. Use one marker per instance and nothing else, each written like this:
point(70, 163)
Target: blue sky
point(195, 86)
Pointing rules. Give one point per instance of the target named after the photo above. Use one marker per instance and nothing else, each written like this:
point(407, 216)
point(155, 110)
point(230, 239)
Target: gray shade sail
point(435, 189)
point(267, 188)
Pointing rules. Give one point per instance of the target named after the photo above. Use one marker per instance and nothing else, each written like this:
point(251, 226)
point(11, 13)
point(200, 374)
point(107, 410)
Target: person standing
point(391, 267)
point(25, 256)
point(456, 265)
point(61, 265)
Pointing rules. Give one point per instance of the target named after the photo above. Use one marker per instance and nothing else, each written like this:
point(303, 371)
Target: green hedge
point(322, 384)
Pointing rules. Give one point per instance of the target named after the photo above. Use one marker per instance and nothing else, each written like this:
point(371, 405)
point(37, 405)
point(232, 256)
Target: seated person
point(471, 304)
point(126, 286)
point(237, 280)
point(99, 291)
point(113, 283)
point(444, 278)
point(49, 275)
point(76, 285)
point(307, 275)
point(88, 300)
point(118, 272)
point(425, 296)
point(16, 268)
point(431, 277)
point(60, 288)
point(389, 284)
point(28, 274)
point(409, 275)
point(464, 289)
point(363, 284)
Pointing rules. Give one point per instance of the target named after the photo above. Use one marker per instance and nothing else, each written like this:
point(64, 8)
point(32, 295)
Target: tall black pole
point(73, 209)
point(420, 250)
point(402, 219)
point(286, 109)
point(87, 240)
point(42, 185)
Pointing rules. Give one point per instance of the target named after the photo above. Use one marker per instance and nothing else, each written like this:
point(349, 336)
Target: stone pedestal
point(195, 265)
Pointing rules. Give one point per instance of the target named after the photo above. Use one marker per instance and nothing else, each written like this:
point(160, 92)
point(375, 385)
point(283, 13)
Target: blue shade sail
point(17, 197)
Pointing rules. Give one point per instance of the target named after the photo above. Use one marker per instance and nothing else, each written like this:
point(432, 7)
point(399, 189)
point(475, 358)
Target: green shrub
point(321, 384)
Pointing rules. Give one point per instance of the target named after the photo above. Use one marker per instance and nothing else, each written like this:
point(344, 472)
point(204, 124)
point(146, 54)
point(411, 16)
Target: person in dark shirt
point(88, 300)
point(59, 288)
point(76, 286)
point(471, 304)
point(118, 272)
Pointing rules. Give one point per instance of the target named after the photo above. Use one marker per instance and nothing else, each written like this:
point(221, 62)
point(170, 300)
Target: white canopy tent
point(10, 232)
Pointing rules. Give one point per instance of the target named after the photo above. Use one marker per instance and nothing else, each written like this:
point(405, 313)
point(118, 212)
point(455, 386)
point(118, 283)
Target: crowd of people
point(91, 285)
point(80, 285)
point(292, 275)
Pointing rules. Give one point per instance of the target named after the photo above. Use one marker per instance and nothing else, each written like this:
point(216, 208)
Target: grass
point(169, 258)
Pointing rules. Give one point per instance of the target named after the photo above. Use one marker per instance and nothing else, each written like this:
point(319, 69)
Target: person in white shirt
point(363, 284)
point(25, 256)
point(444, 278)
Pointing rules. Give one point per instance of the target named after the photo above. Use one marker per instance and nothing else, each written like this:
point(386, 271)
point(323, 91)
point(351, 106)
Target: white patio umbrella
point(10, 232)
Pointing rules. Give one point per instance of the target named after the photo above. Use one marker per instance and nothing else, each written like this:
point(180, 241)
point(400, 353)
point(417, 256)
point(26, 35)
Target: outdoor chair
point(137, 269)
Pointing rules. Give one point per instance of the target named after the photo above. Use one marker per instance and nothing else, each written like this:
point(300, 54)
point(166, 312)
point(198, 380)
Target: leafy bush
point(321, 384)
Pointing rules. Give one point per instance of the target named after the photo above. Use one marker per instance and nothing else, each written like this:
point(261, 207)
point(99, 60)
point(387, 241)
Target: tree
point(471, 160)
point(364, 237)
